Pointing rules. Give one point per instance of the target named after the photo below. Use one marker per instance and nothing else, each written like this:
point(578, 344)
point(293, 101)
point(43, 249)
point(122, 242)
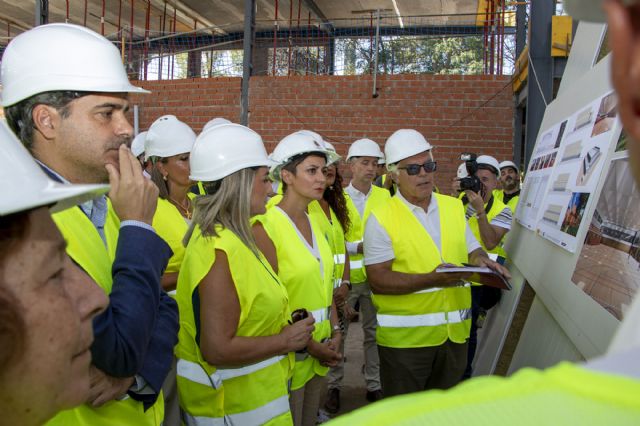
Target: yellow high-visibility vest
point(334, 234)
point(87, 249)
point(309, 282)
point(513, 202)
point(566, 394)
point(378, 197)
point(249, 394)
point(496, 209)
point(428, 317)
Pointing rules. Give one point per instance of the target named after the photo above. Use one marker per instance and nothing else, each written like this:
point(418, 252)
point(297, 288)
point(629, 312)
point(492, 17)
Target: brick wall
point(455, 113)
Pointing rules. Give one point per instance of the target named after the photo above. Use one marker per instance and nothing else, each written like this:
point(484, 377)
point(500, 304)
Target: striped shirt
point(502, 220)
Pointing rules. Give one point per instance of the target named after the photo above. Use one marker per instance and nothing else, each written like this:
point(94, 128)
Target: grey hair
point(227, 203)
point(20, 116)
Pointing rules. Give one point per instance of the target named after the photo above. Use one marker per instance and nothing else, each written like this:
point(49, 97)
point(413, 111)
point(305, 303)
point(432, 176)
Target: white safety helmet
point(462, 171)
point(137, 145)
point(25, 186)
point(168, 136)
point(292, 145)
point(225, 149)
point(332, 155)
point(404, 143)
point(365, 148)
point(61, 57)
point(508, 163)
point(488, 160)
point(214, 122)
point(381, 161)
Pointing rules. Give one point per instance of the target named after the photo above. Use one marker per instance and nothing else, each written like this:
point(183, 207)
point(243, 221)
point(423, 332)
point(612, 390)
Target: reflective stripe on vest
point(256, 416)
point(194, 372)
point(339, 259)
point(425, 320)
point(320, 314)
point(355, 264)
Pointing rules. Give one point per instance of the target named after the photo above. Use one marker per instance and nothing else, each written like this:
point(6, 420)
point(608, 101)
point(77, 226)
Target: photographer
point(488, 217)
point(489, 220)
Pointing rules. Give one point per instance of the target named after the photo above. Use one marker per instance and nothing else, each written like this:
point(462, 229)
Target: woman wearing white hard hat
point(234, 344)
point(168, 145)
point(42, 294)
point(304, 261)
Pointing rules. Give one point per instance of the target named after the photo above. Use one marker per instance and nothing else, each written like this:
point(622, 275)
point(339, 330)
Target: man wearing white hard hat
point(67, 103)
point(42, 294)
point(510, 181)
point(423, 317)
point(602, 391)
point(489, 220)
point(361, 197)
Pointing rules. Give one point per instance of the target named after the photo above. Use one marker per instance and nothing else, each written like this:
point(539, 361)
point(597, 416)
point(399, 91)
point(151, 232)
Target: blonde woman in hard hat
point(168, 145)
point(42, 294)
point(303, 259)
point(235, 342)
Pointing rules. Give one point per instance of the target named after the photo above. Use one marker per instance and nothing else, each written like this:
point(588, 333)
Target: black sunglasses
point(414, 169)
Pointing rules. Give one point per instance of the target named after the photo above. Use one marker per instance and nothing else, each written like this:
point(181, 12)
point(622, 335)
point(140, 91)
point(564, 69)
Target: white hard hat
point(214, 122)
point(61, 57)
point(295, 144)
point(332, 155)
point(25, 186)
point(404, 143)
point(364, 148)
point(508, 163)
point(381, 160)
point(137, 145)
point(225, 149)
point(488, 160)
point(462, 171)
point(168, 136)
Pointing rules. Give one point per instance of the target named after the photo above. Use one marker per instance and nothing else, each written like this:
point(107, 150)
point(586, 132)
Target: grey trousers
point(416, 369)
point(305, 402)
point(362, 293)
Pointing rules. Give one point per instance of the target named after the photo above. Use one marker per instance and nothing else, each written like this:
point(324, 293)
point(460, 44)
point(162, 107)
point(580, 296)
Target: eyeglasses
point(414, 169)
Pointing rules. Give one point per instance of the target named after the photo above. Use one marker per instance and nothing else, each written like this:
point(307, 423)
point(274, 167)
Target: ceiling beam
point(313, 7)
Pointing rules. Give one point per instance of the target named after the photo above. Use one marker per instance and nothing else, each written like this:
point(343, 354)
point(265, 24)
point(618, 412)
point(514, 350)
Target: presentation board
point(570, 162)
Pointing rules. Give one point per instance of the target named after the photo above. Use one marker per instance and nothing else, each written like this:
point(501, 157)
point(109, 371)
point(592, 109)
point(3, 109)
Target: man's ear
point(45, 120)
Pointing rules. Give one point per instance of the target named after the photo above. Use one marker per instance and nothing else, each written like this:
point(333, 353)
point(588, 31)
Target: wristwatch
point(348, 283)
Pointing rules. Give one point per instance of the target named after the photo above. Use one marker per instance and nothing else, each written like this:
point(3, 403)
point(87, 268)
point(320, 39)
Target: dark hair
point(334, 195)
point(297, 159)
point(20, 116)
point(488, 167)
point(12, 327)
point(158, 179)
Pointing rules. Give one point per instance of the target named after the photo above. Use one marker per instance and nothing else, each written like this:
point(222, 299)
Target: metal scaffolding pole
point(247, 71)
point(42, 12)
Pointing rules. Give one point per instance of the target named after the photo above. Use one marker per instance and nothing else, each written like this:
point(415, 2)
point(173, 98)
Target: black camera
point(471, 182)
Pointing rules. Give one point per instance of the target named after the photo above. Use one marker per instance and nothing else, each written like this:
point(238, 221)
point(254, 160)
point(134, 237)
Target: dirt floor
point(352, 395)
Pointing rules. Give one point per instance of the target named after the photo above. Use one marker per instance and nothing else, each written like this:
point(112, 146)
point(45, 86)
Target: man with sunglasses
point(424, 317)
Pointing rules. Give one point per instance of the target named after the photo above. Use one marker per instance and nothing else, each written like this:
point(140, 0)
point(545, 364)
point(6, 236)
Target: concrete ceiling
point(226, 16)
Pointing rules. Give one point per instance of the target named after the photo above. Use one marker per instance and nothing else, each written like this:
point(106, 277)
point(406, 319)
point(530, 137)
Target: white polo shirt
point(377, 243)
